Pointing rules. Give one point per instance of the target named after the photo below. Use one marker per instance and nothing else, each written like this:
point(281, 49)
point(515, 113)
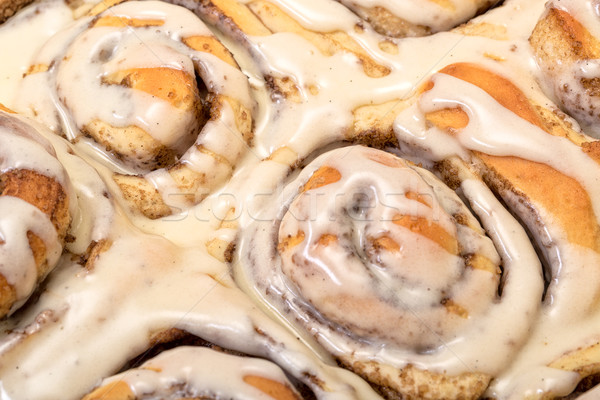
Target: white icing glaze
point(47, 18)
point(513, 136)
point(451, 352)
point(91, 322)
point(164, 375)
point(431, 13)
point(358, 210)
point(586, 12)
point(163, 287)
point(564, 79)
point(24, 148)
point(316, 15)
point(18, 265)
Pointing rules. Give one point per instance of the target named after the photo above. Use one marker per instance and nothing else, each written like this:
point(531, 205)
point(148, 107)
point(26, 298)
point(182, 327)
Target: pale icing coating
point(22, 148)
point(157, 274)
point(437, 15)
point(187, 371)
point(565, 79)
point(82, 55)
point(163, 287)
point(25, 148)
point(157, 46)
point(394, 285)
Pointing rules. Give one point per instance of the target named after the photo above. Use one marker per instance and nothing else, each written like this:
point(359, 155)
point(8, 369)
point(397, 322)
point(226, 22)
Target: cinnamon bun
point(173, 111)
point(412, 18)
point(525, 152)
point(387, 268)
point(191, 372)
point(566, 42)
point(9, 8)
point(35, 196)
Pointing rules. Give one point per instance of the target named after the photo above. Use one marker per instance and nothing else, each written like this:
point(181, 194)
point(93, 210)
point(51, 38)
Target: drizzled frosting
point(18, 263)
point(104, 57)
point(437, 15)
point(22, 148)
point(188, 371)
point(157, 274)
point(567, 79)
point(568, 298)
point(406, 275)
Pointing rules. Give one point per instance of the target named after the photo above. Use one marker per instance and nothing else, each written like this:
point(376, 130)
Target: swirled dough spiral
point(416, 18)
point(259, 23)
point(190, 372)
point(455, 257)
point(566, 41)
point(9, 8)
point(173, 112)
point(371, 254)
point(34, 207)
point(529, 161)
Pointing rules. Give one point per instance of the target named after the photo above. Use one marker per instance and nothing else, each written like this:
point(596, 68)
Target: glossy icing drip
point(109, 60)
point(567, 79)
point(157, 275)
point(164, 375)
point(326, 265)
point(23, 149)
point(438, 15)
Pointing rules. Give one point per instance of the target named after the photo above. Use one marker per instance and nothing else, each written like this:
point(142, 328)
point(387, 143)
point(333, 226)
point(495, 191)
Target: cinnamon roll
point(198, 373)
point(388, 269)
point(34, 204)
point(526, 153)
point(416, 18)
point(295, 89)
point(347, 212)
point(10, 7)
point(172, 112)
point(566, 42)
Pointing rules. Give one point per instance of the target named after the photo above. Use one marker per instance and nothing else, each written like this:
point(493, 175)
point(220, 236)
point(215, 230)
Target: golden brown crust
point(8, 8)
point(411, 383)
point(531, 180)
point(559, 36)
point(386, 23)
point(8, 296)
point(41, 191)
point(276, 390)
point(113, 391)
point(560, 42)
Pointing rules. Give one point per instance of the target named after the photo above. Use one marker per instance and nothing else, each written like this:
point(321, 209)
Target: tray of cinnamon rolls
point(287, 200)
